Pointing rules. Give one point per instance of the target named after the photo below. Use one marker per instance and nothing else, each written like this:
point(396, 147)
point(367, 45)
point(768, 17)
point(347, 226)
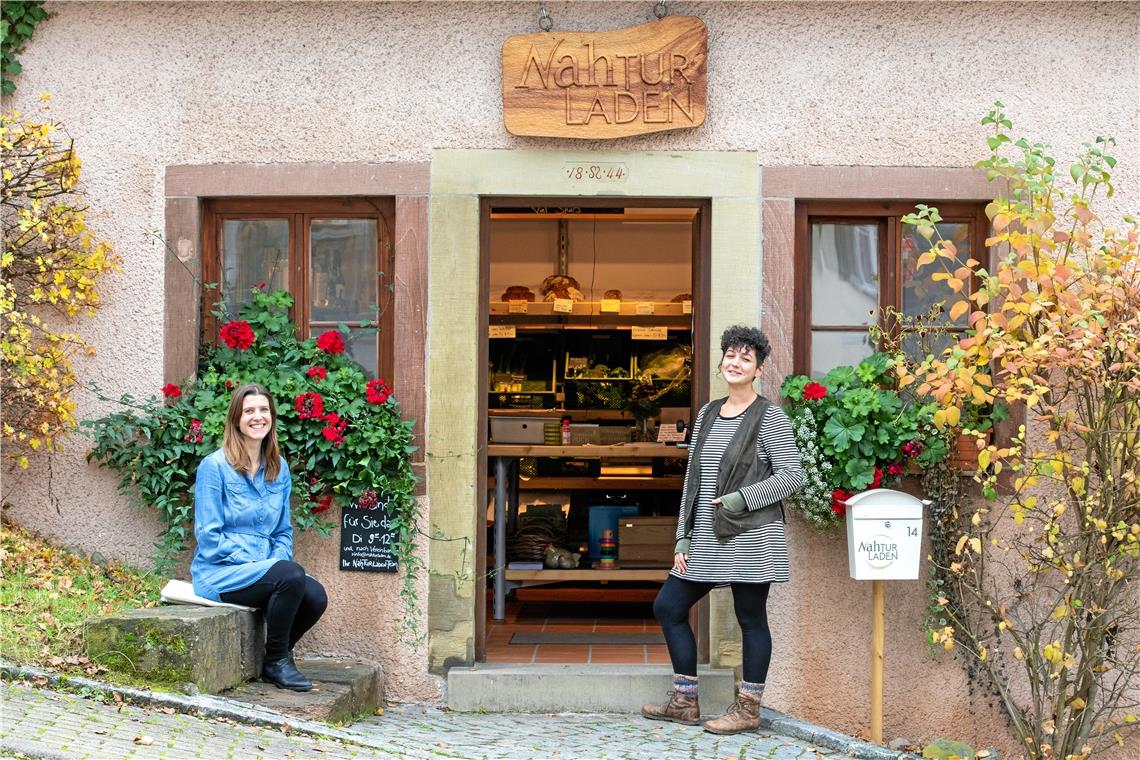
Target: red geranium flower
point(878, 479)
point(368, 500)
point(310, 406)
point(238, 335)
point(170, 390)
point(320, 373)
point(229, 384)
point(334, 430)
point(814, 391)
point(839, 498)
point(377, 391)
point(912, 448)
point(195, 434)
point(894, 468)
point(331, 342)
point(321, 504)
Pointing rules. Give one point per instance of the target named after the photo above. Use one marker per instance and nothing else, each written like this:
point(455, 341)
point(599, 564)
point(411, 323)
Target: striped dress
point(761, 554)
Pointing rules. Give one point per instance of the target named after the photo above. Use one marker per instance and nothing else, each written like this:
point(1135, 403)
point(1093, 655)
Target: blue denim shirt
point(242, 526)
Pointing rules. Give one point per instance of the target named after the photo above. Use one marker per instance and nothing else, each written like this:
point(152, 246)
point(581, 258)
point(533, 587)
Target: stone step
point(490, 687)
point(343, 691)
point(180, 644)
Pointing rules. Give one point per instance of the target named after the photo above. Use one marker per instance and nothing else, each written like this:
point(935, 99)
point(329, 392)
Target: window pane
point(832, 349)
point(343, 271)
point(919, 292)
point(844, 273)
point(254, 251)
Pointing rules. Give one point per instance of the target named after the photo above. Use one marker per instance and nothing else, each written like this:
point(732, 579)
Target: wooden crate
point(646, 541)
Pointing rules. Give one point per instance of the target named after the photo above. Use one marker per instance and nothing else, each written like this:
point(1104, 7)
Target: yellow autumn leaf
point(976, 545)
point(958, 309)
point(1077, 704)
point(961, 543)
point(983, 459)
point(953, 415)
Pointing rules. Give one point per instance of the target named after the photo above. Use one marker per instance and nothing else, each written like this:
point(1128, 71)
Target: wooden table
point(506, 459)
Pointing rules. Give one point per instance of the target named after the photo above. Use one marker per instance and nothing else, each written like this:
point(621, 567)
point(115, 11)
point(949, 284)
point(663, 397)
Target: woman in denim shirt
point(245, 538)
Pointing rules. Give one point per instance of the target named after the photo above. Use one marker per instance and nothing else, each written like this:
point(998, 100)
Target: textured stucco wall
point(144, 86)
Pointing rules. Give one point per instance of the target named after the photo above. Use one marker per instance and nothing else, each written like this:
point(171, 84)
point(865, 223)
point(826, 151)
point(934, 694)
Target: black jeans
point(750, 600)
point(293, 603)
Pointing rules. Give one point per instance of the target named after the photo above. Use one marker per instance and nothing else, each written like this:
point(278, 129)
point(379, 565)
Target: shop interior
point(590, 371)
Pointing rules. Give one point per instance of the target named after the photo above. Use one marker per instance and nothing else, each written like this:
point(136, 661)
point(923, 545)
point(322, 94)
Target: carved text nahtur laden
point(626, 74)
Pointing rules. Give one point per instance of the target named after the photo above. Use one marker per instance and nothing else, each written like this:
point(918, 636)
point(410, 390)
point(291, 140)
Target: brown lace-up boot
point(744, 715)
point(679, 708)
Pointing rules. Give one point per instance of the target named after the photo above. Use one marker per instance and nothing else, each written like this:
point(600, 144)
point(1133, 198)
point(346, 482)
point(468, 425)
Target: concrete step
point(343, 691)
point(490, 687)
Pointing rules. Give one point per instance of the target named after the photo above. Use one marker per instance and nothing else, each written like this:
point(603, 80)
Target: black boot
point(283, 674)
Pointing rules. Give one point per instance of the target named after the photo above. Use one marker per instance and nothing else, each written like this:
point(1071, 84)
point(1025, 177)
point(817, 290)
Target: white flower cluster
point(814, 497)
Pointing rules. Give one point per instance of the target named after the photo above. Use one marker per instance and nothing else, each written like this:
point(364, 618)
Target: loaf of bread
point(613, 294)
point(681, 297)
point(561, 286)
point(518, 293)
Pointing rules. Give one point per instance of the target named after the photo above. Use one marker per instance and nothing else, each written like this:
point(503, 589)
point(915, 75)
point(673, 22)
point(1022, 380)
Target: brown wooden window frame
point(300, 212)
point(888, 215)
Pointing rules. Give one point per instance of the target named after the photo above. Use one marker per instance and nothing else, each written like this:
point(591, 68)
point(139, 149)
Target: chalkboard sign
point(367, 540)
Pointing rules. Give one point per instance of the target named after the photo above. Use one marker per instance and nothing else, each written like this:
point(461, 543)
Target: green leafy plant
point(340, 432)
point(856, 431)
point(18, 21)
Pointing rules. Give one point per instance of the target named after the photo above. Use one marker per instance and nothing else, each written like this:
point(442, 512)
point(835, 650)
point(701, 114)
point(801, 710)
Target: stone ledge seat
point(219, 647)
point(212, 645)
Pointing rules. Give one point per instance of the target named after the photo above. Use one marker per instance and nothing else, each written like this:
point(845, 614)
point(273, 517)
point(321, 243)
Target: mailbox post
point(884, 542)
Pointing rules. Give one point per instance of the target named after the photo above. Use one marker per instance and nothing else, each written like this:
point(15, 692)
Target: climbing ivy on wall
point(17, 23)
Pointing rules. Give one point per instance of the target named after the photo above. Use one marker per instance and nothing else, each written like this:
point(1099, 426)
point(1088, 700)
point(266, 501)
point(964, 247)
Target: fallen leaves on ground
point(49, 592)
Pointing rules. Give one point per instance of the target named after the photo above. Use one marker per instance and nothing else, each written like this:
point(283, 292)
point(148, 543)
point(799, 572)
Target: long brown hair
point(232, 436)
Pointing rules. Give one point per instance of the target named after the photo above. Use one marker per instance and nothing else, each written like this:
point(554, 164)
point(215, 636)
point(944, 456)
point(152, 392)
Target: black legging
point(293, 603)
point(750, 600)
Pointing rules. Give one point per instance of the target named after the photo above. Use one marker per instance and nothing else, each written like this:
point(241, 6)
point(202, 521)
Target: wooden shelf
point(617, 574)
point(664, 483)
point(592, 309)
point(589, 451)
point(601, 322)
point(557, 414)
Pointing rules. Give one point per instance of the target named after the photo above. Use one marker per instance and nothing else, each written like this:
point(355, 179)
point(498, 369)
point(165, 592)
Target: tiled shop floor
point(552, 618)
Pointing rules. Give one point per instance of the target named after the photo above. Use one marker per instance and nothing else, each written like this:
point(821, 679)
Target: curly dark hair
point(741, 336)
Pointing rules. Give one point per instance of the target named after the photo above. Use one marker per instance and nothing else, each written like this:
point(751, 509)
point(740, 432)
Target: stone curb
point(779, 723)
point(220, 707)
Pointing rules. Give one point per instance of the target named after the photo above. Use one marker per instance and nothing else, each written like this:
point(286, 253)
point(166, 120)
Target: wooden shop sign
point(591, 85)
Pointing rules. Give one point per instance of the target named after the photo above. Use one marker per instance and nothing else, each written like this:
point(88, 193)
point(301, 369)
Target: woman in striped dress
point(743, 462)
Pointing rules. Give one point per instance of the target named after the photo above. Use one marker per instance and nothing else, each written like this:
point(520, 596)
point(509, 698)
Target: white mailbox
point(884, 535)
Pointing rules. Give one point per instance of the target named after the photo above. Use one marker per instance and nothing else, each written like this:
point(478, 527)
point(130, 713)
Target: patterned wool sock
point(686, 685)
point(753, 690)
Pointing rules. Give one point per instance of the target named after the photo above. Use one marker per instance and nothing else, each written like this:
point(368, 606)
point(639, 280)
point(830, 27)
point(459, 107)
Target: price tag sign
point(670, 434)
point(563, 306)
point(686, 307)
point(649, 333)
point(501, 331)
point(516, 307)
point(645, 308)
point(611, 305)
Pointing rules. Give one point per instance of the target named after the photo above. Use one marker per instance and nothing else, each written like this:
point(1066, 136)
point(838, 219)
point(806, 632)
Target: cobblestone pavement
point(43, 723)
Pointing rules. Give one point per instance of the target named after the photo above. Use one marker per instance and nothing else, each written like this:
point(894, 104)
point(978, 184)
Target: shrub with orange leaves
point(49, 268)
point(1042, 578)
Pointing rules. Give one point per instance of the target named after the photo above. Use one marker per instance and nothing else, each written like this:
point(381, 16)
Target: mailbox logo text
point(879, 551)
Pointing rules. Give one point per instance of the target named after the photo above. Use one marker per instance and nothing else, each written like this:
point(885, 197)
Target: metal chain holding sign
point(545, 20)
point(661, 9)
